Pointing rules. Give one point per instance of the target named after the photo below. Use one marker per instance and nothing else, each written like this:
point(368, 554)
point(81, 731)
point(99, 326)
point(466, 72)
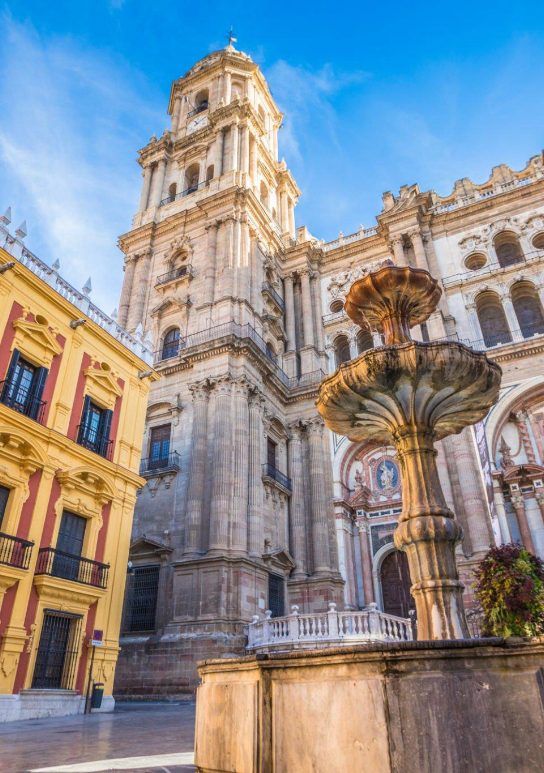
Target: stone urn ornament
point(411, 394)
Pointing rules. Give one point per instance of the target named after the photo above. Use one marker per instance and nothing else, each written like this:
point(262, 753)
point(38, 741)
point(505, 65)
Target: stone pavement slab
point(142, 737)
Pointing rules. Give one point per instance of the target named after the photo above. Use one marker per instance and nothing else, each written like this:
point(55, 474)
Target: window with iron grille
point(23, 388)
point(276, 595)
point(159, 447)
point(141, 598)
point(58, 651)
point(94, 429)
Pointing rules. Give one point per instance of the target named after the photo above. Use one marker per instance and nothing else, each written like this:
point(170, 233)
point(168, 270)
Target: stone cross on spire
point(231, 39)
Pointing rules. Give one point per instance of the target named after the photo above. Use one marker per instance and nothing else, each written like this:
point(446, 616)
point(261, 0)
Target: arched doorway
point(395, 582)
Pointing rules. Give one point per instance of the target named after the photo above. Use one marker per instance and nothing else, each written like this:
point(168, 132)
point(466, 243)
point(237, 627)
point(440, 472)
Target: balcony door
point(69, 546)
point(276, 595)
point(159, 446)
point(395, 582)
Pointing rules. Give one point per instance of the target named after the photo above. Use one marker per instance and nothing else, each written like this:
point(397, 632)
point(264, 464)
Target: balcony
point(21, 400)
point(272, 473)
point(175, 273)
point(334, 316)
point(153, 466)
point(326, 629)
point(186, 192)
point(199, 109)
point(274, 296)
point(98, 444)
point(57, 563)
point(15, 551)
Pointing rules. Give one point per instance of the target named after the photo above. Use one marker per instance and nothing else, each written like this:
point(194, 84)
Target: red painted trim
point(103, 533)
point(25, 656)
point(51, 515)
point(7, 338)
point(27, 511)
point(78, 397)
point(6, 607)
point(52, 379)
point(82, 668)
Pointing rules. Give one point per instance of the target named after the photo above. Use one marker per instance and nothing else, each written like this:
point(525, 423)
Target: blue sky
point(374, 96)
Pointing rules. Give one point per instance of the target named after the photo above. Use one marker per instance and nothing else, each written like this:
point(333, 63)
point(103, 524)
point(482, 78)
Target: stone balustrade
point(325, 629)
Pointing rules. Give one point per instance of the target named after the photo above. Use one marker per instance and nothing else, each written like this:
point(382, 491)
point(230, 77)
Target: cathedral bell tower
point(237, 511)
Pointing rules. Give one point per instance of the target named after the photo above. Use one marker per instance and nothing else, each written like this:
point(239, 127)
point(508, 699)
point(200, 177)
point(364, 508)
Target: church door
point(395, 580)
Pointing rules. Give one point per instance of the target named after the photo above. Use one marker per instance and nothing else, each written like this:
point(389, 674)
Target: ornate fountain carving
point(411, 394)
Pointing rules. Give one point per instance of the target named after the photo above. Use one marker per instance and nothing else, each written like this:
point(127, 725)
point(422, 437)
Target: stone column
point(144, 198)
point(289, 313)
point(419, 250)
point(228, 270)
point(398, 251)
point(353, 348)
point(284, 211)
point(518, 503)
point(291, 209)
point(319, 498)
point(219, 150)
point(227, 82)
point(220, 505)
point(197, 469)
point(318, 312)
point(521, 421)
point(240, 450)
point(498, 500)
point(211, 262)
point(474, 322)
point(175, 114)
point(124, 301)
point(256, 501)
point(139, 291)
point(159, 182)
point(366, 562)
point(297, 507)
point(234, 147)
point(307, 310)
point(253, 158)
point(244, 149)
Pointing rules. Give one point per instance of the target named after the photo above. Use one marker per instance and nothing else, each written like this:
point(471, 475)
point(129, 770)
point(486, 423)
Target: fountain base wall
point(416, 707)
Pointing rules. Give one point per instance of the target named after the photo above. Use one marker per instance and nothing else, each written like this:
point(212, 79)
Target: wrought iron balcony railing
point(198, 109)
point(99, 444)
point(167, 463)
point(15, 551)
point(57, 563)
point(175, 273)
point(267, 289)
point(21, 400)
point(186, 192)
point(271, 471)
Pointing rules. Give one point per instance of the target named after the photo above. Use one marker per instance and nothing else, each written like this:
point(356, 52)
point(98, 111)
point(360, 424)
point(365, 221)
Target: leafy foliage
point(510, 588)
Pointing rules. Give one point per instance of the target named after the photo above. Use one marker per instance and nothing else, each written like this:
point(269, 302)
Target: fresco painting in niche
point(387, 475)
point(373, 473)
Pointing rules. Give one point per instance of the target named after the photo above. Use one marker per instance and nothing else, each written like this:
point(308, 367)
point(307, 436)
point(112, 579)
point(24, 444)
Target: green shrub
point(510, 588)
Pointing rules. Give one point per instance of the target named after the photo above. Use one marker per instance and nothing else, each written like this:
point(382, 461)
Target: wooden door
point(395, 582)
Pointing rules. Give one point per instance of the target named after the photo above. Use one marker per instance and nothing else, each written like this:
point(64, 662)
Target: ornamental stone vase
point(412, 394)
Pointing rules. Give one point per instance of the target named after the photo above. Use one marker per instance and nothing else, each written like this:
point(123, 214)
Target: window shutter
point(11, 370)
point(36, 391)
point(84, 419)
point(105, 431)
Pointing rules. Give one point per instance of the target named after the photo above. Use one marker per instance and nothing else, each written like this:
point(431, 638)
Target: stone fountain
point(411, 394)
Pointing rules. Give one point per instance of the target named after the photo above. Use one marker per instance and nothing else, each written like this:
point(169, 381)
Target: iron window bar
point(199, 109)
point(15, 551)
point(99, 444)
point(271, 471)
point(58, 563)
point(186, 192)
point(175, 273)
point(58, 651)
point(21, 400)
point(161, 463)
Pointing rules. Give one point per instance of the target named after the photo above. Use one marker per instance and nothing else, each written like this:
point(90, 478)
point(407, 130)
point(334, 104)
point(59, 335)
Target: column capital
point(241, 386)
point(200, 390)
point(315, 426)
point(222, 385)
point(363, 527)
point(396, 240)
point(256, 399)
point(296, 430)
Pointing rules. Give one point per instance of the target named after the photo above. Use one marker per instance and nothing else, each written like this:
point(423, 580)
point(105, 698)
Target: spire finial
point(231, 39)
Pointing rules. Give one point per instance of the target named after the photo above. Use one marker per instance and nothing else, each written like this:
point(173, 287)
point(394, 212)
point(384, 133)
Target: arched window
point(507, 249)
point(191, 178)
point(492, 319)
point(528, 309)
point(263, 194)
point(270, 351)
point(364, 341)
point(538, 241)
point(209, 173)
point(201, 101)
point(170, 344)
point(341, 350)
point(172, 189)
point(237, 90)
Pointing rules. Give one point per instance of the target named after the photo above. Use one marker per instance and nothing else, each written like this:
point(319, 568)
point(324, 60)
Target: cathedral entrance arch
point(395, 584)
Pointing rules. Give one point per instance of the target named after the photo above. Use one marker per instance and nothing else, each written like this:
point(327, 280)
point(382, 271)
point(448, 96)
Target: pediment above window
point(16, 447)
point(84, 490)
point(102, 385)
point(36, 341)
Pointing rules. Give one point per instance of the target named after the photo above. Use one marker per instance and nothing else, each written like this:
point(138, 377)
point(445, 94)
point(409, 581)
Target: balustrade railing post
point(374, 625)
point(293, 623)
point(332, 616)
point(251, 630)
point(266, 626)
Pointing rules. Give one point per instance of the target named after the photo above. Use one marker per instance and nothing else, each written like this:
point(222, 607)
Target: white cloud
point(72, 119)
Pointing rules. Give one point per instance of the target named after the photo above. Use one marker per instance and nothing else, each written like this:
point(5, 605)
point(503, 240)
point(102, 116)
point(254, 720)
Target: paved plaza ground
point(141, 737)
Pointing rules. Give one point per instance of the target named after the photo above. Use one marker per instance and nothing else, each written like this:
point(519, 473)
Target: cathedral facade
point(250, 504)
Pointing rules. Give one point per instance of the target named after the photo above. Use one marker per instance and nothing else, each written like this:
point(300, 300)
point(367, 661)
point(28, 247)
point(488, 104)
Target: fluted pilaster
point(320, 520)
point(139, 290)
point(128, 280)
point(366, 563)
point(211, 266)
point(256, 502)
point(197, 469)
point(240, 449)
point(307, 310)
point(289, 313)
point(297, 529)
point(222, 465)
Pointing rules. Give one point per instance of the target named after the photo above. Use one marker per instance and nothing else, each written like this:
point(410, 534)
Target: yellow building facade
point(73, 397)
